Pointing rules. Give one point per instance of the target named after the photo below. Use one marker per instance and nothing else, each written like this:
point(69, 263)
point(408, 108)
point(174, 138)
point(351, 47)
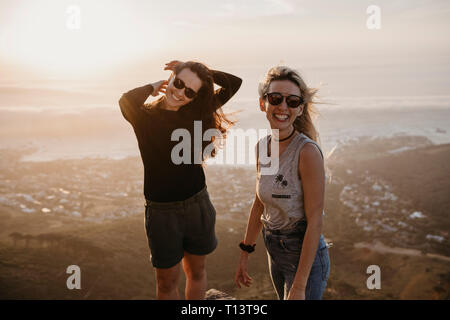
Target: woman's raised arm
point(229, 83)
point(131, 103)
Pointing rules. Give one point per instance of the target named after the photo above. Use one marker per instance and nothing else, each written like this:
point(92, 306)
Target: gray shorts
point(175, 227)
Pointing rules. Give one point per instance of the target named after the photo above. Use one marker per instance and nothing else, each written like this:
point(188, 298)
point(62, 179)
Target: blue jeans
point(283, 251)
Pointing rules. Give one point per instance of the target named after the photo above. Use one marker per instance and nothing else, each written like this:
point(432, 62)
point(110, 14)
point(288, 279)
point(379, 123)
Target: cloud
point(256, 8)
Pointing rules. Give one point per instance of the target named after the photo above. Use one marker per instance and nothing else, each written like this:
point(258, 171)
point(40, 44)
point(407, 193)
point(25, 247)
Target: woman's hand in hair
point(159, 87)
point(172, 65)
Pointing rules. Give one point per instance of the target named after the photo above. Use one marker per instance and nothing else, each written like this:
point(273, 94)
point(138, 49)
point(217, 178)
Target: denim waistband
point(299, 229)
point(178, 204)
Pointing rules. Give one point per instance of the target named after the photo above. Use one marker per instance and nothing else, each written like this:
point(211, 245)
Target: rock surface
point(213, 294)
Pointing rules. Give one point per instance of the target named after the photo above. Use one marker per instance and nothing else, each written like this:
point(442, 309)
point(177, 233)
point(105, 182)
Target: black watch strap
point(247, 247)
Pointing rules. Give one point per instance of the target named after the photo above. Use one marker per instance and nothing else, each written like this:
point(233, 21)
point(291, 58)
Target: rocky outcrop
point(213, 294)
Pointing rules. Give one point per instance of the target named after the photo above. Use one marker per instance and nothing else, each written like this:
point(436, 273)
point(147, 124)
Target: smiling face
point(175, 97)
point(281, 117)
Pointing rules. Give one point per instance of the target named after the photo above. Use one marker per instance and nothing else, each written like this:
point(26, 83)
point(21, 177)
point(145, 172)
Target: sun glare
point(86, 37)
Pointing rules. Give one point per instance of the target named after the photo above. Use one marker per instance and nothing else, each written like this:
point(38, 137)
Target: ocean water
point(52, 134)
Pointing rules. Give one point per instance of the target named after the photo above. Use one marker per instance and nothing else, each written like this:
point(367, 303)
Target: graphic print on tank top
point(280, 183)
point(282, 192)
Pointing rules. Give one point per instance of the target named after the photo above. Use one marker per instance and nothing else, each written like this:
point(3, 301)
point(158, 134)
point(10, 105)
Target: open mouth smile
point(281, 117)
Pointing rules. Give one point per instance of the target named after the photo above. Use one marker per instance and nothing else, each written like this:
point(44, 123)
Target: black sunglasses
point(276, 98)
point(188, 92)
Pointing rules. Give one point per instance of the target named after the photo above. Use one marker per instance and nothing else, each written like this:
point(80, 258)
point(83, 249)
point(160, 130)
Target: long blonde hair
point(303, 123)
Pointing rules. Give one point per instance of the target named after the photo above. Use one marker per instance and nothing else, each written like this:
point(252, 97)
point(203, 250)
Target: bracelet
point(247, 247)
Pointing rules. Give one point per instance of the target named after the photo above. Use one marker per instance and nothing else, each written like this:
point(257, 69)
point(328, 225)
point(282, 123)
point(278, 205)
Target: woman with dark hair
point(179, 216)
point(288, 205)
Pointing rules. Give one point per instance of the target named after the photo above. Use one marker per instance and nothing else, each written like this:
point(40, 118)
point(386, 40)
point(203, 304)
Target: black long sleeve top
point(165, 181)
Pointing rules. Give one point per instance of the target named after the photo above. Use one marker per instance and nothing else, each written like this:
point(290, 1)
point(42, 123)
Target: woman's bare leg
point(167, 283)
point(195, 270)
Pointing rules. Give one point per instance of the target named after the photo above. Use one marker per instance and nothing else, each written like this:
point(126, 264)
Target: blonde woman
point(288, 205)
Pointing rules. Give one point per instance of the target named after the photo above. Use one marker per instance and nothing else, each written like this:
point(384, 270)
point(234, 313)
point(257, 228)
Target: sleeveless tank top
point(282, 192)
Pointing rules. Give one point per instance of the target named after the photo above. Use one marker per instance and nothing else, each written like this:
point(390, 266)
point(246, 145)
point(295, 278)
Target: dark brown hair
point(206, 104)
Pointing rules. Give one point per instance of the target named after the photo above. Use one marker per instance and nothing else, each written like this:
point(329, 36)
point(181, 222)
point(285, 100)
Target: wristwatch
point(247, 247)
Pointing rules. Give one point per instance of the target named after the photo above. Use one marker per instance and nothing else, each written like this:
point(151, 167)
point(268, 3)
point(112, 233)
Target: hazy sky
point(121, 43)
